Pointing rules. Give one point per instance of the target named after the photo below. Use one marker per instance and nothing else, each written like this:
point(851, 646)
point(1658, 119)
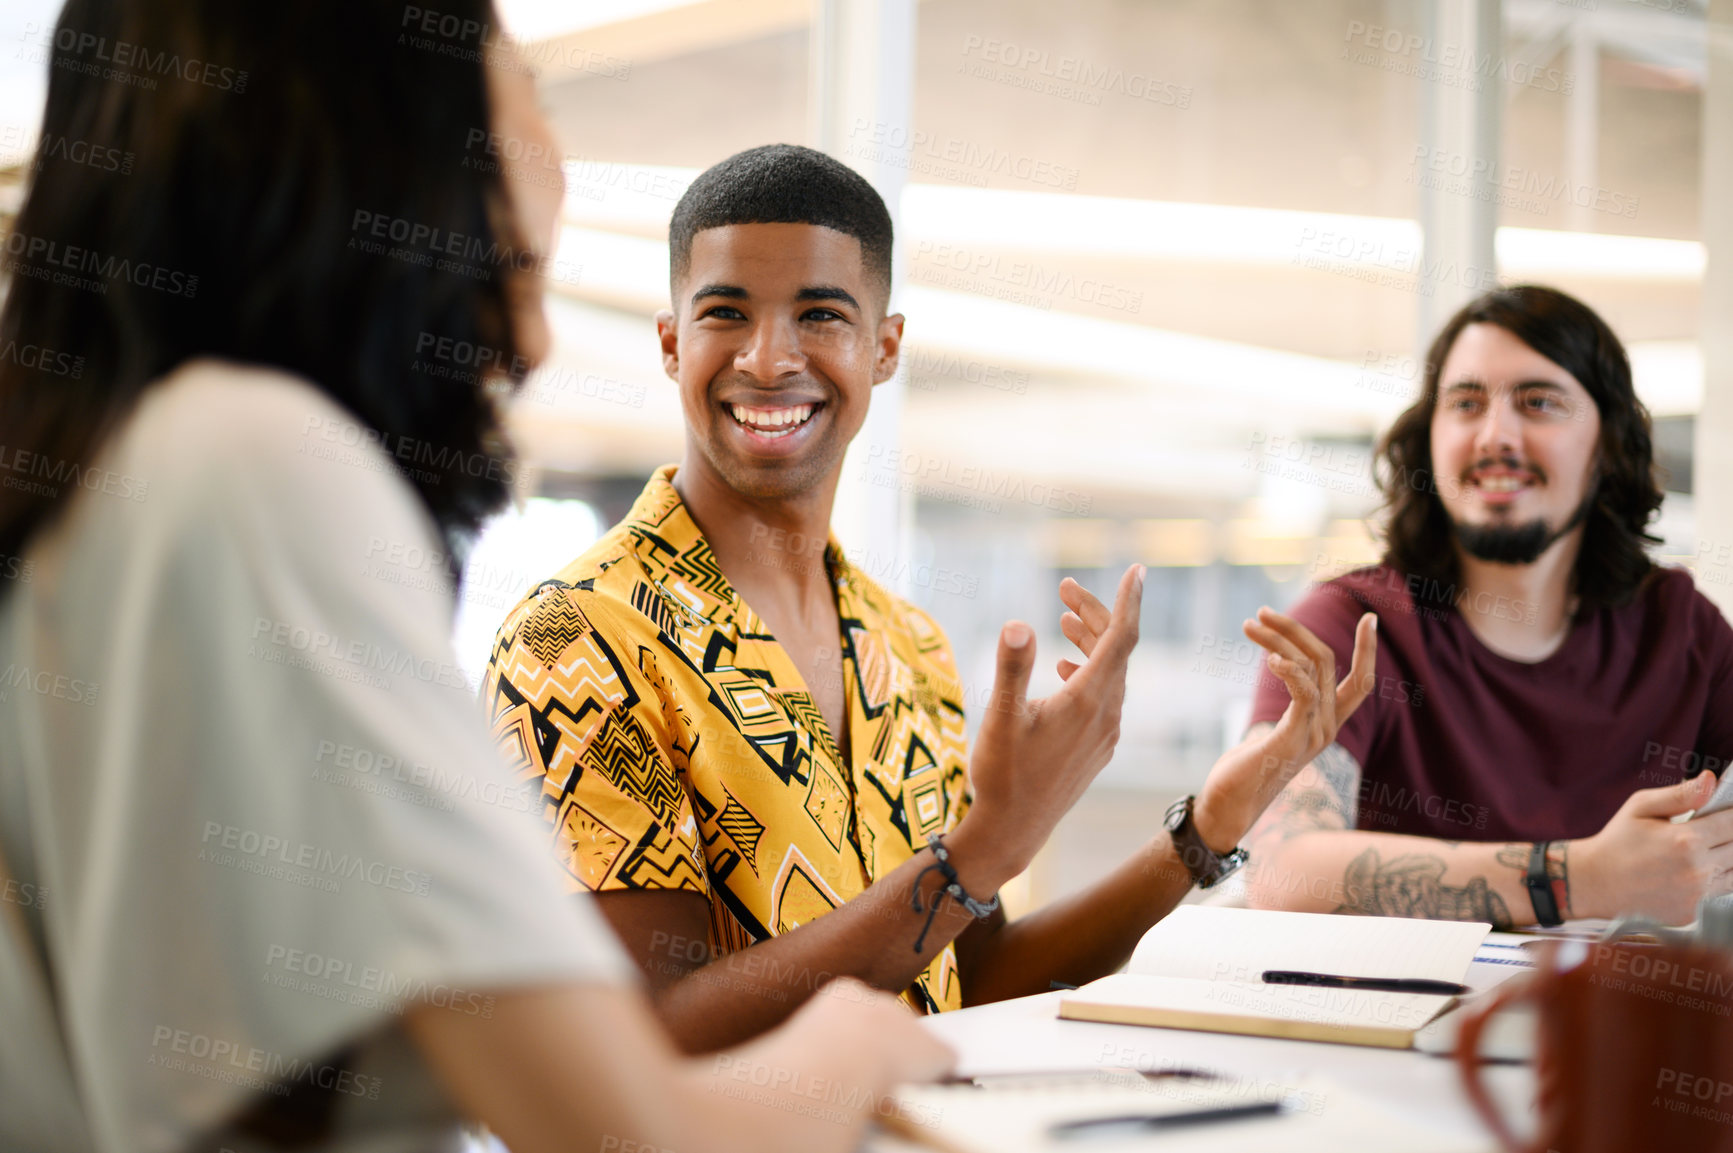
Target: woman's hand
point(849, 1045)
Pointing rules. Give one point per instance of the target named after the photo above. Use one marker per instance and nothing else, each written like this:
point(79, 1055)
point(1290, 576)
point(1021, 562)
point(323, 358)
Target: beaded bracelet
point(952, 888)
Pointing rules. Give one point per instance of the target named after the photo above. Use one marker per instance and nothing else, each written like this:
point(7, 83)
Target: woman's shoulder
point(217, 439)
point(214, 411)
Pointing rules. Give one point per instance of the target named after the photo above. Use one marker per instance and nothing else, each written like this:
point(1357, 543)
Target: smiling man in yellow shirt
point(740, 792)
point(752, 753)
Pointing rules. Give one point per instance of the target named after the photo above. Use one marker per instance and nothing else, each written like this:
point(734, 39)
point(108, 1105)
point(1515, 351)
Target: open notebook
point(1201, 968)
point(1018, 1115)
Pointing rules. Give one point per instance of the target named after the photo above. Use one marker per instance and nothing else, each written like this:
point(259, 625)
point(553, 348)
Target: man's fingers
point(1302, 686)
point(1671, 800)
point(1066, 668)
point(1113, 647)
point(1120, 635)
point(1078, 633)
point(1085, 604)
point(1275, 642)
point(1302, 693)
point(1362, 673)
point(1016, 662)
point(1307, 641)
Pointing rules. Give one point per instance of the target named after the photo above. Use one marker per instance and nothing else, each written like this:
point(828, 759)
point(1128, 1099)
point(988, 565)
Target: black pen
point(1373, 984)
point(1094, 1075)
point(1144, 1121)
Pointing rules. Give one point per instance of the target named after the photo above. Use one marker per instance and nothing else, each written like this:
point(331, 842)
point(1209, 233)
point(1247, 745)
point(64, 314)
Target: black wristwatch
point(1544, 892)
point(1207, 867)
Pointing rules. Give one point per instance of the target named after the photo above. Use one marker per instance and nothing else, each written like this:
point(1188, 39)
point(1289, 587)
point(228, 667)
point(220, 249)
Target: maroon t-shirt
point(1460, 743)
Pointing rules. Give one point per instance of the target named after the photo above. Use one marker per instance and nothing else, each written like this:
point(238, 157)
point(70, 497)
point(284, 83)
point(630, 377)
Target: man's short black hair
point(784, 184)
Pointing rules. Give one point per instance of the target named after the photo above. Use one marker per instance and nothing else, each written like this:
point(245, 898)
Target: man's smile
point(1500, 485)
point(773, 421)
point(776, 428)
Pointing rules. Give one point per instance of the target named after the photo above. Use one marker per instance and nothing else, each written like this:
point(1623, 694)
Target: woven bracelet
point(952, 888)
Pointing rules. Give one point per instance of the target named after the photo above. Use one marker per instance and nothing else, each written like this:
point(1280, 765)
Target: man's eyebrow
point(828, 292)
point(725, 291)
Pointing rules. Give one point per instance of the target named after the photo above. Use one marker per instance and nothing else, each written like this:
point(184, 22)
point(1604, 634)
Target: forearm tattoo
point(1341, 773)
point(1412, 885)
point(1330, 801)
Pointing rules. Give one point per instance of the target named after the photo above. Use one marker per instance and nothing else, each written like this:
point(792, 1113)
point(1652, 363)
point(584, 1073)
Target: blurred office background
point(1169, 268)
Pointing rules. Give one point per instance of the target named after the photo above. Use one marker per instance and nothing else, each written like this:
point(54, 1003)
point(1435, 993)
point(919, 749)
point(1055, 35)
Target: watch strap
point(1207, 867)
point(1544, 893)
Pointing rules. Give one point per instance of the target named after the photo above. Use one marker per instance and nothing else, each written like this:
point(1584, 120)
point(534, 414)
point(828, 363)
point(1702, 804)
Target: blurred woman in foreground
point(265, 884)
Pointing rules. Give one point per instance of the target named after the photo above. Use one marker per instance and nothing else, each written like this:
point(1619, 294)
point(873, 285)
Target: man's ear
point(890, 349)
point(668, 333)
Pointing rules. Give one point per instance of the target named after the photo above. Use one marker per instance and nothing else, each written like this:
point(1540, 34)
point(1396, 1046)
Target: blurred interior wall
point(1713, 480)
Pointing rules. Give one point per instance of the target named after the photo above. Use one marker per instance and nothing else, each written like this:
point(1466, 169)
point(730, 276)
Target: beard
point(1515, 544)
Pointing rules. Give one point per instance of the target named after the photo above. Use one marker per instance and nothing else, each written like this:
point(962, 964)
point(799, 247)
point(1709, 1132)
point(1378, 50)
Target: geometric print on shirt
point(678, 747)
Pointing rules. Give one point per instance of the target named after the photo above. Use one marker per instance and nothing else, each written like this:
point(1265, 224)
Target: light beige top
point(249, 804)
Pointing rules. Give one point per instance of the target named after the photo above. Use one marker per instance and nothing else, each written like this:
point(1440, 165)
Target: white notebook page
point(1219, 944)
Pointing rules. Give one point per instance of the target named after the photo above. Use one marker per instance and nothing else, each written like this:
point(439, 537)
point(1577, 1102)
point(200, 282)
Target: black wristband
point(1540, 890)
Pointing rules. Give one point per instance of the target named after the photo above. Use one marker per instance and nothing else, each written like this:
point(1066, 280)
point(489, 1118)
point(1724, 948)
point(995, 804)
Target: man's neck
point(770, 549)
point(1521, 611)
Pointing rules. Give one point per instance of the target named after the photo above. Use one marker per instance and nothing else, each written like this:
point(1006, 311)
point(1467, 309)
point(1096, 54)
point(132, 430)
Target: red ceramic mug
point(1634, 1049)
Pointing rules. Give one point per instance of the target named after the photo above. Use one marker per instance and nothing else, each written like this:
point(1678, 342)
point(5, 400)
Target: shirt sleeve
point(1332, 612)
point(582, 708)
point(283, 822)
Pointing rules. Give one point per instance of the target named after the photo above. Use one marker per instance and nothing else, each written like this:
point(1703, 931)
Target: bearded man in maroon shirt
point(1549, 698)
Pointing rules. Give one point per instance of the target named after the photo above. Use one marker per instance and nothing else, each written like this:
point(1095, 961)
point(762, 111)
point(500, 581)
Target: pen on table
point(1158, 1121)
point(1061, 1076)
point(1372, 984)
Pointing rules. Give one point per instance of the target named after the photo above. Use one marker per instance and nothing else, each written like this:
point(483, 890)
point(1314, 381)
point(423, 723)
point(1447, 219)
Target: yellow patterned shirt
point(678, 747)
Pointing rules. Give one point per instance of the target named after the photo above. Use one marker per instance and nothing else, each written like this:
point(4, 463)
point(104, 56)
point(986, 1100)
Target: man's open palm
point(1033, 758)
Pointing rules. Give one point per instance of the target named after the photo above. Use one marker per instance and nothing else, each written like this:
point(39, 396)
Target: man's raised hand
point(1033, 759)
point(1250, 775)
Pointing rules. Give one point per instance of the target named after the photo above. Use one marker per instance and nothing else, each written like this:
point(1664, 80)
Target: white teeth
point(761, 420)
point(1500, 483)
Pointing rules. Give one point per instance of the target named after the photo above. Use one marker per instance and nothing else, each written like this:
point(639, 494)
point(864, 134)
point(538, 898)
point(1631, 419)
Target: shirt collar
point(672, 548)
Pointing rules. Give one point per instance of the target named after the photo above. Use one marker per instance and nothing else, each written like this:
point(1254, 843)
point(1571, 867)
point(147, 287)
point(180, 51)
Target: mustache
point(1509, 462)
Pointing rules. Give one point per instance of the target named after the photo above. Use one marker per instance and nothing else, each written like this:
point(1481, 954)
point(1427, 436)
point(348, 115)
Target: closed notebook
point(1201, 968)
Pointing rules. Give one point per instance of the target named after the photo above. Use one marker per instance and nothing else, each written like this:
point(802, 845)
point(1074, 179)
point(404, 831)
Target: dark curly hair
point(783, 184)
point(1613, 563)
point(244, 206)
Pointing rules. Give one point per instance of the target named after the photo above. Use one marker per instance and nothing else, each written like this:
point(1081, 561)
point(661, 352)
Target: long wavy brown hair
point(1613, 562)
